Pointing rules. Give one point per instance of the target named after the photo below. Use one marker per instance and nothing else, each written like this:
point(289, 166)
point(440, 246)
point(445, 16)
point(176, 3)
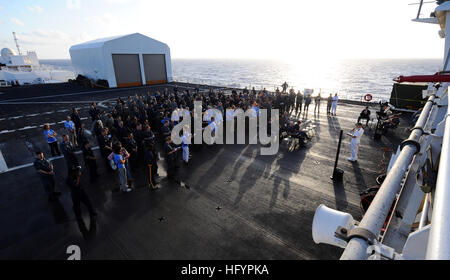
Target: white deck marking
point(32, 115)
point(27, 127)
point(31, 164)
point(34, 126)
point(44, 102)
point(3, 166)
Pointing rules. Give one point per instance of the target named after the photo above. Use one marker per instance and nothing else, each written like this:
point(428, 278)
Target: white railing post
point(439, 240)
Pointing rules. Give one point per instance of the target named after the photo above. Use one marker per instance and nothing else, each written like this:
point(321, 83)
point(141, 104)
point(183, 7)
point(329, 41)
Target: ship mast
point(17, 43)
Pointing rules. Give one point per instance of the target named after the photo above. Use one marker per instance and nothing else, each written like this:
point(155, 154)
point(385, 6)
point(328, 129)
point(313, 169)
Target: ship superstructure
point(22, 69)
point(409, 216)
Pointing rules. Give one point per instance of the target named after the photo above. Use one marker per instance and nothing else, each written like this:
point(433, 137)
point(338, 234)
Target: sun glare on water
point(322, 75)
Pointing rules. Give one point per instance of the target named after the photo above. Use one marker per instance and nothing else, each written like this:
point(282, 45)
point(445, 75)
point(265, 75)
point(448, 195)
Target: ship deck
point(239, 204)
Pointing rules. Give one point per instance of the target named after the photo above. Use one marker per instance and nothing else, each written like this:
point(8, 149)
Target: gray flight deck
point(237, 204)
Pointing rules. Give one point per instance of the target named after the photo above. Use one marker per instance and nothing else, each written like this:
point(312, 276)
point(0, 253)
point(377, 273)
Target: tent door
point(127, 70)
point(155, 68)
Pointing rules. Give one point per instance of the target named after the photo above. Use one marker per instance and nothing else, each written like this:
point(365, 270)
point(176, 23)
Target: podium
point(338, 174)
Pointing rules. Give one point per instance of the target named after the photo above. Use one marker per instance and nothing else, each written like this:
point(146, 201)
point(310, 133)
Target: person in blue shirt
point(70, 128)
point(50, 134)
point(119, 160)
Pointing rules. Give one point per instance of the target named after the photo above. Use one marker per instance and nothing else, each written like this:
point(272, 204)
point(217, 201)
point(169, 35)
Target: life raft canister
point(368, 97)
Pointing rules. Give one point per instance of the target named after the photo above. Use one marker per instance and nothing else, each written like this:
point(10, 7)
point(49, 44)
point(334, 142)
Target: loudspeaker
point(338, 175)
point(325, 223)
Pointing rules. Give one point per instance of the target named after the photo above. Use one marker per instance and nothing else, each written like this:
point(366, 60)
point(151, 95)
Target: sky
point(292, 30)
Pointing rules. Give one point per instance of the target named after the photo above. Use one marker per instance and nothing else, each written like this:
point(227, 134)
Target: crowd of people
point(131, 131)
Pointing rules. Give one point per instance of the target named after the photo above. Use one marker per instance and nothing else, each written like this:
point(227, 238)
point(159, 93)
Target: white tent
point(127, 60)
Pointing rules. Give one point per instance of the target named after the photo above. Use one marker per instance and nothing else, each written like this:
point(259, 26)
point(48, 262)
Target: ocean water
point(351, 79)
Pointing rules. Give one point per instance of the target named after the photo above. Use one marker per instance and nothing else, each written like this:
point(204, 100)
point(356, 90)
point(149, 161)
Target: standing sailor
point(285, 87)
point(307, 102)
point(68, 150)
point(212, 123)
point(317, 100)
point(334, 102)
point(185, 140)
point(152, 165)
point(299, 102)
point(50, 134)
point(90, 161)
point(329, 101)
point(70, 128)
point(47, 175)
point(170, 158)
point(230, 113)
point(356, 134)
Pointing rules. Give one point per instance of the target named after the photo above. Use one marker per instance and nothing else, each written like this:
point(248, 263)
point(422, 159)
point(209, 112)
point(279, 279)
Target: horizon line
point(282, 59)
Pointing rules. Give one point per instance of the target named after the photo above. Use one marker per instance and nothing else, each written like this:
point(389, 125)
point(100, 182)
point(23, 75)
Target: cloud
point(35, 9)
point(45, 37)
point(117, 1)
point(106, 19)
point(17, 21)
point(49, 43)
point(73, 4)
point(52, 34)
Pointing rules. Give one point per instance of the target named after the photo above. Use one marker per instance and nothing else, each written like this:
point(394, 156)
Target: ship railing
point(439, 238)
point(402, 187)
point(269, 87)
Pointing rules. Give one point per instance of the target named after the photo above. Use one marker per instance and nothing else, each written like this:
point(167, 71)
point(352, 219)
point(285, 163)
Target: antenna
point(17, 43)
point(420, 8)
point(438, 2)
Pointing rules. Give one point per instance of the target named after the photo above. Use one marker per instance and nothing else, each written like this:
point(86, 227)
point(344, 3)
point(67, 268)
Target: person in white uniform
point(334, 102)
point(356, 134)
point(185, 139)
point(208, 114)
point(230, 113)
point(175, 116)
